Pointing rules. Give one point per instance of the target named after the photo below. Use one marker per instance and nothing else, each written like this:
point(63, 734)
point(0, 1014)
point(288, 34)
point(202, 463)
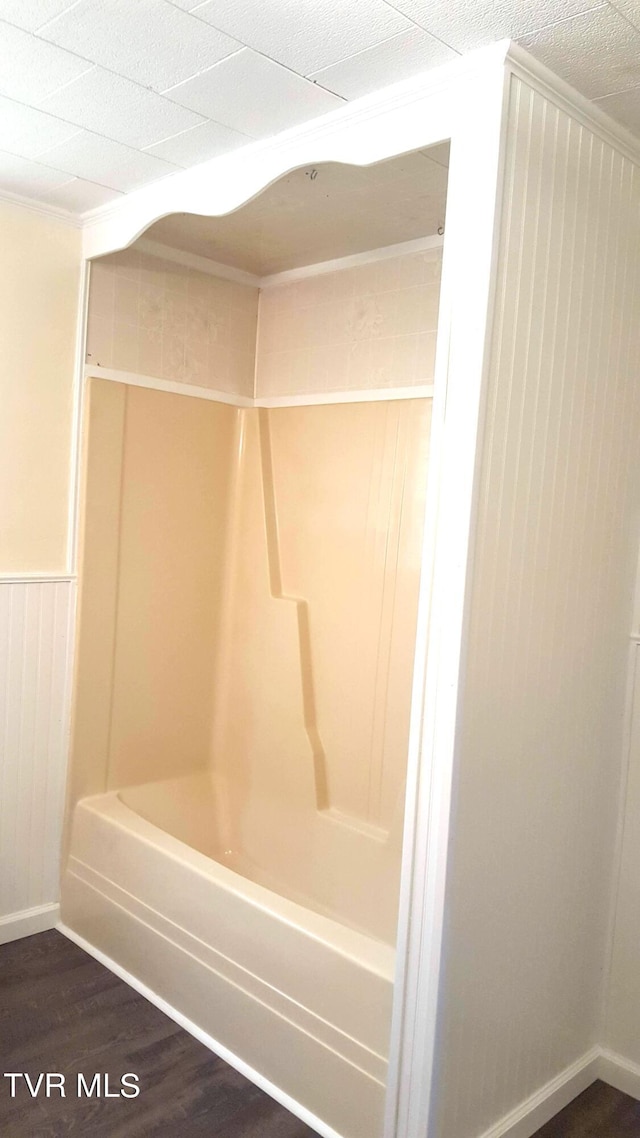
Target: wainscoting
point(35, 654)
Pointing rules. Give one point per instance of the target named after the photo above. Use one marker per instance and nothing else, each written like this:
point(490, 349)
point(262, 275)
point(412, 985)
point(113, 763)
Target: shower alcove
point(325, 552)
point(257, 422)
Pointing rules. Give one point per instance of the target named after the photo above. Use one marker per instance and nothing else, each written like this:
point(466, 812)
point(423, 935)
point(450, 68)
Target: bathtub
point(293, 993)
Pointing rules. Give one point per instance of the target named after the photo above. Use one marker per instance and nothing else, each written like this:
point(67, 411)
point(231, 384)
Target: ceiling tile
point(27, 131)
point(599, 52)
point(186, 5)
point(254, 95)
point(33, 14)
point(624, 107)
point(79, 196)
point(109, 163)
point(305, 36)
point(151, 42)
point(30, 69)
point(398, 58)
point(119, 109)
point(629, 8)
point(29, 178)
point(198, 144)
point(465, 25)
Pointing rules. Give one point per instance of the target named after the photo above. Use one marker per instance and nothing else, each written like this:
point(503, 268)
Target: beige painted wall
point(39, 292)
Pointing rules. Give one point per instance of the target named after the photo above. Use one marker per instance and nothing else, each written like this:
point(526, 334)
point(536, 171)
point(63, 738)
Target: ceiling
point(319, 213)
point(99, 97)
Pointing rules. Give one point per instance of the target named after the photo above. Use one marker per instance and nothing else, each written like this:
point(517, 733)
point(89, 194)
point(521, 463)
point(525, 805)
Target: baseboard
point(28, 921)
point(619, 1072)
point(540, 1107)
point(219, 1049)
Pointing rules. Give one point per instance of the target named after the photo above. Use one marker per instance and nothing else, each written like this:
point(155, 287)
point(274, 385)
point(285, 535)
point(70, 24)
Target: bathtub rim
point(374, 955)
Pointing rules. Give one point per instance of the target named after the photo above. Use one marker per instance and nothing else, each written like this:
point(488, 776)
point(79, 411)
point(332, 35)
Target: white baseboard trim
point(219, 1049)
point(28, 921)
point(619, 1072)
point(541, 1106)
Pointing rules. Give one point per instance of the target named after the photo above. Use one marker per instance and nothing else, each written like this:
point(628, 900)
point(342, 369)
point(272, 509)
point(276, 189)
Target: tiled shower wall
point(158, 318)
point(369, 326)
point(366, 327)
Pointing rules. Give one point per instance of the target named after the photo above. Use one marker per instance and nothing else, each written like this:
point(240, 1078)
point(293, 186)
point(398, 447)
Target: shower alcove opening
point(256, 439)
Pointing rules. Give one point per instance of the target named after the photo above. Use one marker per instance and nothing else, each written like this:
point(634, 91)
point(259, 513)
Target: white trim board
point(229, 272)
point(28, 921)
point(188, 1025)
point(36, 578)
point(619, 1072)
point(377, 395)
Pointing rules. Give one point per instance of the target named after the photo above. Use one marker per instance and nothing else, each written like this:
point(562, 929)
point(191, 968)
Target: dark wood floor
point(61, 1011)
point(599, 1112)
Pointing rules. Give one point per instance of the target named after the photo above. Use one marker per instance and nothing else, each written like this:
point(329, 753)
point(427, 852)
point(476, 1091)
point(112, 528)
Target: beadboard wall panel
point(35, 650)
point(548, 620)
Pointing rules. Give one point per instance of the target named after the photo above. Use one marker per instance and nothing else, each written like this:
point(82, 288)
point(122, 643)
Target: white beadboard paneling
point(150, 41)
point(305, 36)
point(227, 92)
point(35, 649)
point(119, 109)
point(549, 615)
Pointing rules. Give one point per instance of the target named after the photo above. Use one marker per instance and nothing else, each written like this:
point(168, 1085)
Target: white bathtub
point(299, 997)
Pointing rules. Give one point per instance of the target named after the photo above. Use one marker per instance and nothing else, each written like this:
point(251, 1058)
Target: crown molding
point(563, 95)
point(52, 212)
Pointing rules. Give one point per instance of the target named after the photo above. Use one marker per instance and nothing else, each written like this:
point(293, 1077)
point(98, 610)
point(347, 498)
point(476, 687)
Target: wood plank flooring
point(61, 1011)
point(599, 1112)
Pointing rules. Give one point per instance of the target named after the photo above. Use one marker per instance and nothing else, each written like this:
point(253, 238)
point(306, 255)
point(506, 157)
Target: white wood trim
point(546, 1102)
point(420, 391)
point(407, 116)
point(377, 395)
point(77, 418)
point(52, 212)
point(619, 1072)
point(468, 275)
point(195, 261)
point(229, 1057)
point(562, 95)
point(369, 256)
point(28, 922)
point(35, 578)
point(157, 384)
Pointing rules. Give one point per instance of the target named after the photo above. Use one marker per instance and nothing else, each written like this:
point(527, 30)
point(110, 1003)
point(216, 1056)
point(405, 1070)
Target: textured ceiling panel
point(31, 14)
point(22, 176)
point(119, 109)
point(148, 41)
point(28, 132)
point(624, 107)
point(398, 58)
point(79, 196)
point(254, 95)
point(598, 52)
point(31, 69)
point(109, 163)
point(465, 25)
point(309, 35)
point(170, 83)
point(198, 144)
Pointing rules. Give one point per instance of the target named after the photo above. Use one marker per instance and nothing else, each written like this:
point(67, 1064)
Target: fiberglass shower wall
point(251, 574)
